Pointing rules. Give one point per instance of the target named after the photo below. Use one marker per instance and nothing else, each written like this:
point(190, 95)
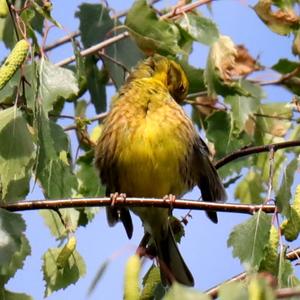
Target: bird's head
point(169, 72)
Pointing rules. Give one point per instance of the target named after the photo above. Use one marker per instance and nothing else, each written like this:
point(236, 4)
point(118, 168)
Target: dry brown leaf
point(244, 62)
point(205, 105)
point(287, 16)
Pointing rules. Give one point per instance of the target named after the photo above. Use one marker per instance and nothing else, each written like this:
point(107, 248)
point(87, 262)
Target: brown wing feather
point(206, 176)
point(106, 164)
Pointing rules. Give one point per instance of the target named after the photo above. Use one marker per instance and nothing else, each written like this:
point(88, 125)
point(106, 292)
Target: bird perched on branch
point(150, 148)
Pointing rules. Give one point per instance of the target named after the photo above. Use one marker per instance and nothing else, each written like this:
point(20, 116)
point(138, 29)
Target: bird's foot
point(171, 198)
point(114, 197)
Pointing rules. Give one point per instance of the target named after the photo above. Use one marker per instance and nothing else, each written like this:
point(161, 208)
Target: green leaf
point(284, 194)
point(272, 119)
point(284, 66)
point(96, 82)
point(89, 184)
point(151, 281)
point(53, 167)
point(233, 291)
point(95, 26)
point(151, 33)
point(282, 21)
point(125, 52)
point(179, 292)
point(33, 20)
point(16, 155)
point(7, 32)
point(242, 109)
point(220, 131)
point(55, 82)
point(9, 92)
point(16, 262)
point(249, 190)
point(60, 278)
point(286, 276)
point(14, 246)
point(199, 28)
point(249, 239)
point(262, 166)
point(45, 11)
point(95, 23)
point(195, 78)
point(54, 223)
point(8, 295)
point(221, 59)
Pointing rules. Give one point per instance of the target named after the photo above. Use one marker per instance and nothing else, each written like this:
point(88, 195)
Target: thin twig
point(256, 149)
point(62, 41)
point(281, 79)
point(98, 117)
point(287, 293)
point(213, 292)
point(69, 37)
point(271, 173)
point(94, 49)
point(98, 47)
point(185, 9)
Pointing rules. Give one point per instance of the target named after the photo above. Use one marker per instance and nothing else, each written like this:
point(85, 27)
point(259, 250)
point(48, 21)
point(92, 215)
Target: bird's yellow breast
point(152, 148)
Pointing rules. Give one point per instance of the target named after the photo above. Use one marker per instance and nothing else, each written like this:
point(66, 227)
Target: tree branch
point(281, 79)
point(137, 202)
point(98, 117)
point(96, 48)
point(75, 34)
point(287, 293)
point(256, 149)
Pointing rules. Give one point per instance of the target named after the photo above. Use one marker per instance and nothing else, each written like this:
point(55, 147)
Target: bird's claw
point(171, 198)
point(114, 198)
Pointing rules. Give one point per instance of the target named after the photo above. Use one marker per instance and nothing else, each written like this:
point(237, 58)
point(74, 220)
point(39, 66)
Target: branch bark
point(137, 202)
point(256, 149)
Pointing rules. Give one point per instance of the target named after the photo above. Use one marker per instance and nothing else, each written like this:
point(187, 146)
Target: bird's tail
point(172, 265)
point(211, 186)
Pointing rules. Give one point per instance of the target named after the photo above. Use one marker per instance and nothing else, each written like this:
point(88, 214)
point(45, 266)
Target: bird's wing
point(106, 164)
point(206, 176)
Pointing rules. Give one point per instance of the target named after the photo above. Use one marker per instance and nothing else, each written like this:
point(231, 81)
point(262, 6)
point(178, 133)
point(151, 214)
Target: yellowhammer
point(150, 148)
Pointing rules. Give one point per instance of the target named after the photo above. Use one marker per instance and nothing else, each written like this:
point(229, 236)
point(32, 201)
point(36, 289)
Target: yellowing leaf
point(66, 252)
point(220, 63)
point(59, 278)
point(291, 226)
point(96, 132)
point(270, 261)
point(258, 289)
point(282, 21)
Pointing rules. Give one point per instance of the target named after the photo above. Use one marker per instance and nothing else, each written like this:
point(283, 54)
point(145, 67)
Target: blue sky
point(205, 244)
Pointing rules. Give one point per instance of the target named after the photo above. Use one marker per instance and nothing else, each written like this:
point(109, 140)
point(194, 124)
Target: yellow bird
point(150, 148)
